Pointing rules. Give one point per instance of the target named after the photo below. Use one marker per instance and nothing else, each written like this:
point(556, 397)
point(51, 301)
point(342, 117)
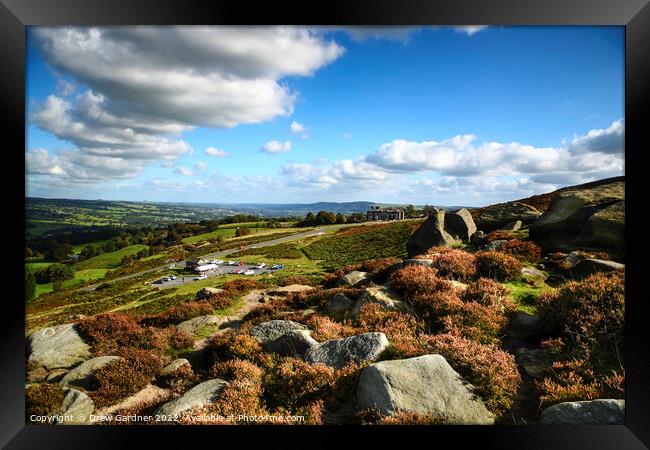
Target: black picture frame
point(15, 15)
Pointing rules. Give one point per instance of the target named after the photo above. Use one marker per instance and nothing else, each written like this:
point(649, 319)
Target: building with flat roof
point(378, 213)
point(205, 268)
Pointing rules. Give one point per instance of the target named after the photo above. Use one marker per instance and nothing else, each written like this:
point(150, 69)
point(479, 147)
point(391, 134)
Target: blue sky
point(440, 115)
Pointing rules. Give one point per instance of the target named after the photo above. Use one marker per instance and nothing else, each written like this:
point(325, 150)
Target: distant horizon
point(471, 115)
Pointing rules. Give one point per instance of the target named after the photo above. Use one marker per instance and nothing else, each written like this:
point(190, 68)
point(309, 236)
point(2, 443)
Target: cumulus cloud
point(609, 140)
point(299, 129)
point(274, 147)
point(200, 166)
point(184, 170)
point(470, 30)
point(216, 152)
point(144, 86)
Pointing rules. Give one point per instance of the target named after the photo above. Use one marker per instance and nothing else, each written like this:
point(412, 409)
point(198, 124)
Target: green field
point(110, 260)
point(227, 231)
point(80, 276)
point(223, 232)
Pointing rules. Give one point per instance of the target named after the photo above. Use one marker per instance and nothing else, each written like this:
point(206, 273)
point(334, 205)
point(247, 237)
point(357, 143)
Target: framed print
point(365, 217)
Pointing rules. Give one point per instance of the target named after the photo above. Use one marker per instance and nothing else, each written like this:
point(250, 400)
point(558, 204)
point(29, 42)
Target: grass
point(284, 251)
point(360, 243)
point(77, 248)
point(80, 276)
point(110, 260)
point(525, 295)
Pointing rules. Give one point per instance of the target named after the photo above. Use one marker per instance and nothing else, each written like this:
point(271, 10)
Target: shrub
point(179, 313)
point(296, 279)
point(412, 280)
point(400, 329)
point(589, 315)
point(489, 293)
point(500, 235)
point(43, 400)
point(233, 344)
point(292, 382)
point(236, 369)
point(377, 265)
point(410, 418)
point(524, 250)
point(261, 313)
point(122, 378)
point(179, 339)
point(454, 264)
point(492, 371)
point(498, 265)
point(110, 332)
point(325, 328)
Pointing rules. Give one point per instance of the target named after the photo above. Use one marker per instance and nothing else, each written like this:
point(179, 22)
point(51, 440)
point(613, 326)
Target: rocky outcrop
point(522, 325)
point(273, 329)
point(535, 362)
point(431, 233)
point(76, 408)
point(207, 292)
point(425, 385)
point(192, 326)
point(498, 216)
point(460, 225)
point(512, 226)
point(353, 278)
point(592, 412)
point(584, 217)
point(175, 365)
point(84, 374)
point(197, 397)
point(292, 343)
point(591, 266)
point(56, 347)
point(339, 352)
point(383, 295)
point(338, 305)
point(532, 273)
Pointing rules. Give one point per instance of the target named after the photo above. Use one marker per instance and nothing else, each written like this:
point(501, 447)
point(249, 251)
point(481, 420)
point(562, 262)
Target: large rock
point(273, 329)
point(495, 245)
point(584, 217)
point(591, 266)
point(84, 374)
point(339, 352)
point(498, 216)
point(512, 226)
point(207, 292)
point(292, 343)
point(192, 326)
point(76, 408)
point(425, 384)
point(197, 397)
point(592, 412)
point(430, 234)
point(175, 365)
point(56, 347)
point(460, 224)
point(522, 325)
point(339, 305)
point(353, 278)
point(532, 273)
point(383, 296)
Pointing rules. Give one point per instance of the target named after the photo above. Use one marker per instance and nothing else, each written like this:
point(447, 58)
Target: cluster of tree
point(54, 272)
point(329, 218)
point(242, 231)
point(111, 245)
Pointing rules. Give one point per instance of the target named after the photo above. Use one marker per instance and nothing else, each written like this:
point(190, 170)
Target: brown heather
point(498, 265)
point(453, 263)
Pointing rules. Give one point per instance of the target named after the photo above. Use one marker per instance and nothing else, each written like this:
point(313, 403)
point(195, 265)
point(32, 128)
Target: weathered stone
point(532, 273)
point(592, 412)
point(494, 217)
point(84, 374)
point(273, 329)
point(584, 217)
point(175, 365)
point(522, 325)
point(383, 296)
point(56, 347)
point(292, 343)
point(512, 226)
point(425, 385)
point(339, 352)
point(76, 409)
point(460, 224)
point(339, 305)
point(495, 245)
point(207, 292)
point(535, 362)
point(590, 266)
point(203, 394)
point(353, 278)
point(192, 326)
point(430, 234)
point(56, 375)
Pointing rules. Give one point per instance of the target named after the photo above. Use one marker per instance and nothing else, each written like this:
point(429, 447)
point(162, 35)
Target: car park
point(173, 277)
point(260, 266)
point(237, 271)
point(200, 277)
point(232, 263)
point(249, 272)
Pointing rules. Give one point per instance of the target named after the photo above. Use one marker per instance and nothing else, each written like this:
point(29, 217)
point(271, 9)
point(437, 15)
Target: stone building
point(379, 213)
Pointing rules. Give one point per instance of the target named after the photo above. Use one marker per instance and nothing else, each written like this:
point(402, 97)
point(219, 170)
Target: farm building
point(379, 213)
point(193, 263)
point(205, 268)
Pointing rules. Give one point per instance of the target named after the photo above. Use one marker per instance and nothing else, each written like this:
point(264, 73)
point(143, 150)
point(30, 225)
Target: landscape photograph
point(325, 225)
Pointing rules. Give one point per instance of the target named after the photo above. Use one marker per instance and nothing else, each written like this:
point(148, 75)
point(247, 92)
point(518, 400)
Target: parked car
point(232, 263)
point(249, 272)
point(173, 277)
point(277, 267)
point(158, 282)
point(238, 271)
point(200, 277)
point(260, 266)
point(217, 261)
point(239, 263)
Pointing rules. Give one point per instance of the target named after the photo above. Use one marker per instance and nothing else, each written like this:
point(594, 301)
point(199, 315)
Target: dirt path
point(149, 394)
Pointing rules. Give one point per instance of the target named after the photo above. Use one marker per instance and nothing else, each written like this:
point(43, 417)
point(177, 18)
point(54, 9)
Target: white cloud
point(185, 171)
point(469, 29)
point(200, 166)
point(64, 88)
point(609, 140)
point(299, 129)
point(216, 152)
point(274, 147)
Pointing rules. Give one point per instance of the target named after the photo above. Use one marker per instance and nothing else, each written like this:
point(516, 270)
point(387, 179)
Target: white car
point(249, 272)
point(260, 266)
point(201, 277)
point(216, 261)
point(232, 263)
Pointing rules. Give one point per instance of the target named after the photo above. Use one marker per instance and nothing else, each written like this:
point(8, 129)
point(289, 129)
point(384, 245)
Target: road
point(217, 255)
point(223, 269)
